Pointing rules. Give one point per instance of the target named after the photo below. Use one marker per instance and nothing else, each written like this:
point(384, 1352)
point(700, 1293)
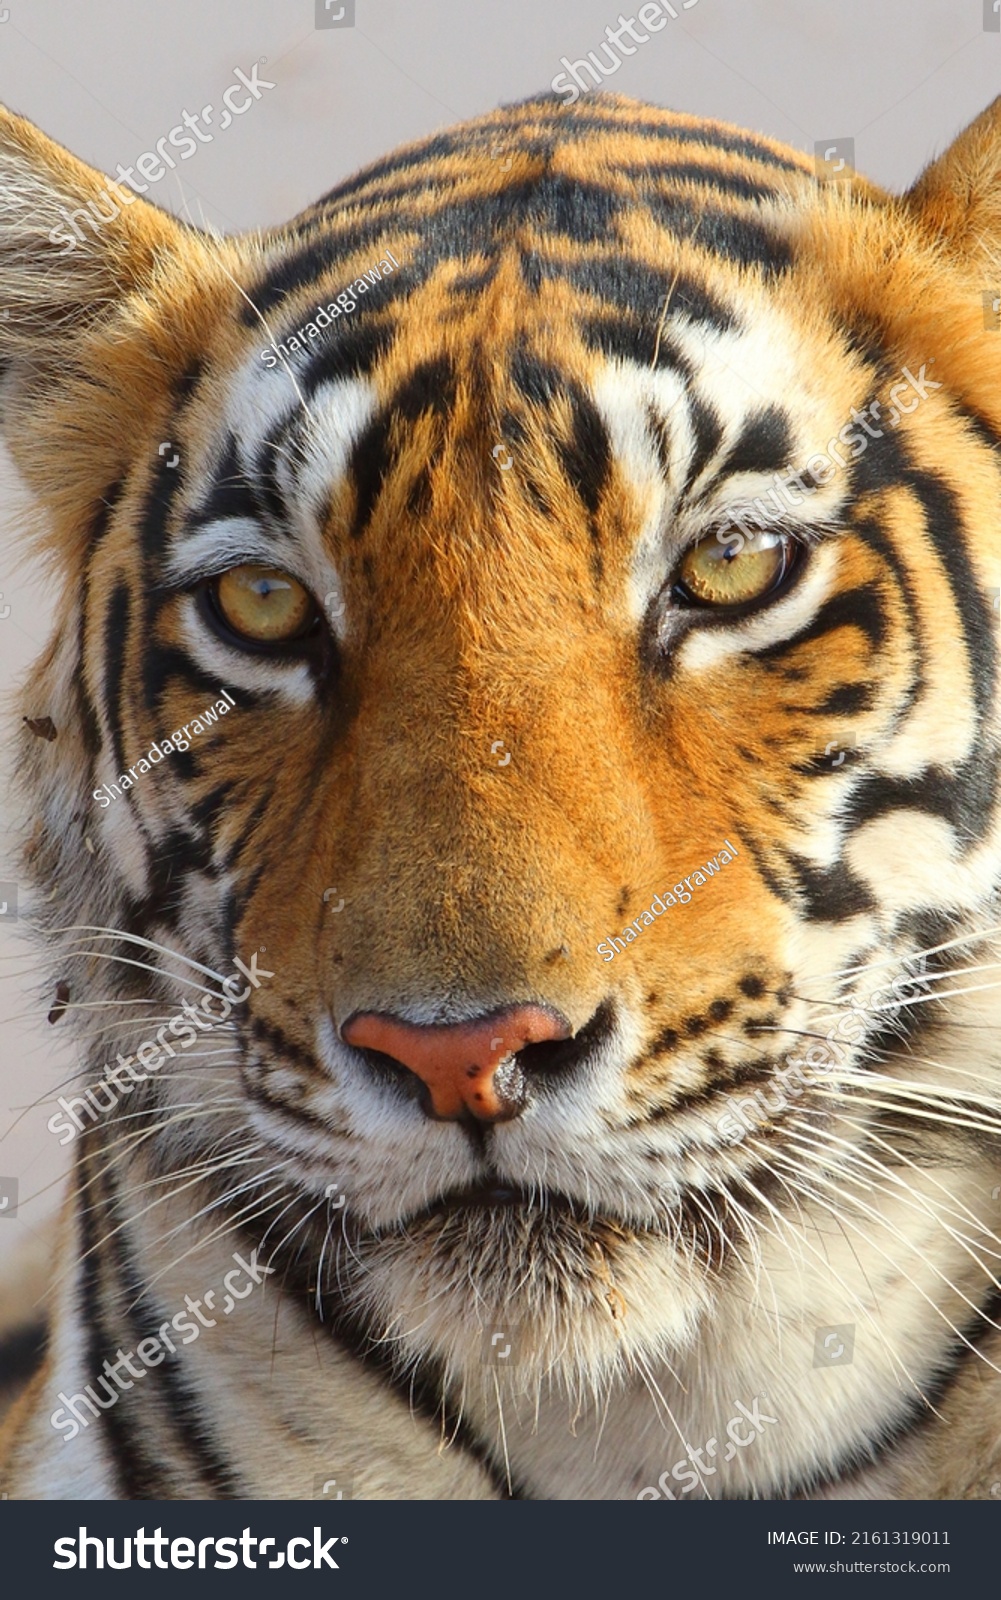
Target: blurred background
point(351, 79)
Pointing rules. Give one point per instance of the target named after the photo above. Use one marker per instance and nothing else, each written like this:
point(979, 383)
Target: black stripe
point(185, 1410)
point(722, 179)
point(154, 544)
point(137, 1474)
point(421, 1391)
point(22, 1352)
point(535, 378)
point(764, 444)
point(829, 894)
point(945, 527)
point(633, 286)
point(586, 457)
point(843, 700)
point(347, 352)
point(861, 608)
point(733, 236)
point(166, 662)
point(405, 160)
point(708, 430)
point(430, 387)
point(295, 269)
point(879, 540)
point(623, 337)
point(203, 812)
point(586, 211)
point(231, 493)
point(116, 630)
point(272, 450)
point(102, 517)
point(964, 796)
point(171, 867)
point(166, 481)
point(986, 432)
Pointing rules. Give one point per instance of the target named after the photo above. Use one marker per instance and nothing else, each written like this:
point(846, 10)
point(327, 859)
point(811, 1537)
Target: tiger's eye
point(263, 604)
point(731, 569)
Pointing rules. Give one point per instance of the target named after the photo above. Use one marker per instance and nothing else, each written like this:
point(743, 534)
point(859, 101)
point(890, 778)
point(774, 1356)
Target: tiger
point(511, 806)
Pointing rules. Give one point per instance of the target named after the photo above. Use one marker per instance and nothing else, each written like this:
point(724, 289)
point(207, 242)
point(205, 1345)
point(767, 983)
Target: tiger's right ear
point(73, 243)
point(958, 196)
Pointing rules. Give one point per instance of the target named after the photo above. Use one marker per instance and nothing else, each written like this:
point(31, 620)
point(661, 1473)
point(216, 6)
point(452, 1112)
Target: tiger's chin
point(513, 1290)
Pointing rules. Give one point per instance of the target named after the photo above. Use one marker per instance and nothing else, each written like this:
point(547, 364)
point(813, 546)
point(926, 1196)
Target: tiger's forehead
point(541, 308)
point(516, 406)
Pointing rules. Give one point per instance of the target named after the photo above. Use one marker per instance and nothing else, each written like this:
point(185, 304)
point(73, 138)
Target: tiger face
point(594, 548)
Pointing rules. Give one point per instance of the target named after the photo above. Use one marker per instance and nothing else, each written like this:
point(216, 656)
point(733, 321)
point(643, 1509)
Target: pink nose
point(465, 1065)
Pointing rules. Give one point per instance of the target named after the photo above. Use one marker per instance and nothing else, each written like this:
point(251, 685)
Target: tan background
point(109, 77)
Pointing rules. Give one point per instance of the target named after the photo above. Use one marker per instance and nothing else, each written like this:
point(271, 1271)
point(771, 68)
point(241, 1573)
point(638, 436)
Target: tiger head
point(585, 528)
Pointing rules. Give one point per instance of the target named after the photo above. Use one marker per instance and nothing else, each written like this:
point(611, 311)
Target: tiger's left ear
point(102, 299)
point(958, 196)
point(73, 242)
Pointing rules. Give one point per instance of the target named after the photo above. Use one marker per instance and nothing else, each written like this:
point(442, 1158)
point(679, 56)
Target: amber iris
point(733, 569)
point(263, 604)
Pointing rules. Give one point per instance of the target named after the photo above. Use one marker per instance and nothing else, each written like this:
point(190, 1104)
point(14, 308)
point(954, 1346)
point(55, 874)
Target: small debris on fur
point(62, 1000)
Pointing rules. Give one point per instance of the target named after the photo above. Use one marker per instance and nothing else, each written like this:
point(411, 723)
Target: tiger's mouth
point(496, 1195)
point(535, 1209)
